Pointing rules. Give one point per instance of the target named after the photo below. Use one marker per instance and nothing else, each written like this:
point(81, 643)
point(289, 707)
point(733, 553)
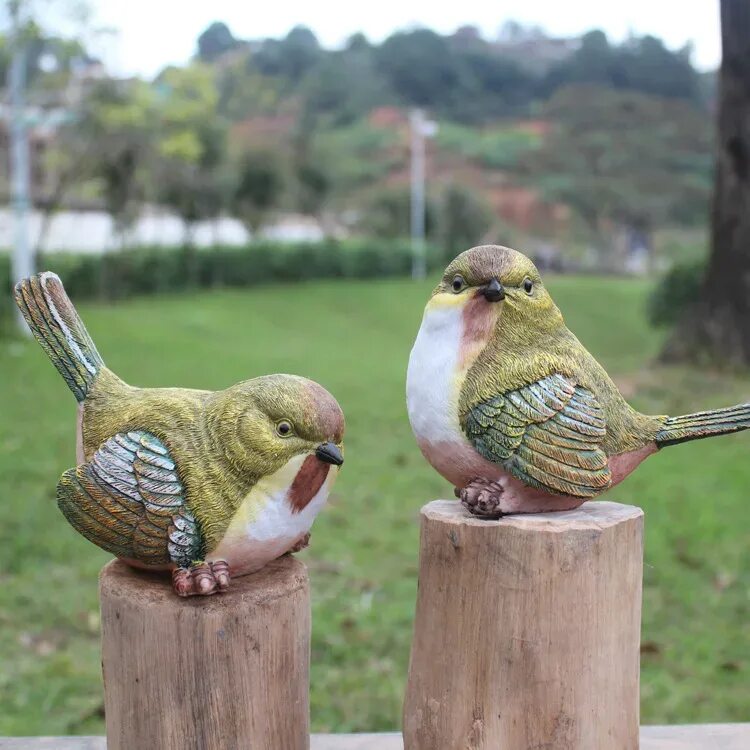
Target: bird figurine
point(509, 406)
point(206, 484)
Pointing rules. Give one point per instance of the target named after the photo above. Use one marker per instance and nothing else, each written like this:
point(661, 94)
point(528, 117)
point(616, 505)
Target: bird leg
point(201, 578)
point(302, 543)
point(482, 498)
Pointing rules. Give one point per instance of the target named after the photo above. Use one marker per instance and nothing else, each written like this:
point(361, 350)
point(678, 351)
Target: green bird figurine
point(508, 405)
point(206, 484)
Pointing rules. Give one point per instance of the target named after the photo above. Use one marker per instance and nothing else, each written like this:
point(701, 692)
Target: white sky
point(149, 34)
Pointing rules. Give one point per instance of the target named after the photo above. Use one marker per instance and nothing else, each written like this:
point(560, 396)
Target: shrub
point(153, 270)
point(6, 305)
point(463, 220)
point(676, 290)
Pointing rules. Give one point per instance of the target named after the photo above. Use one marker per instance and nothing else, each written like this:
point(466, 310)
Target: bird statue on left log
point(509, 406)
point(207, 484)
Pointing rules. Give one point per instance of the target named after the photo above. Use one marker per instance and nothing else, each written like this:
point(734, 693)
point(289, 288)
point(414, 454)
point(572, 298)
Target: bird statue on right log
point(509, 406)
point(208, 484)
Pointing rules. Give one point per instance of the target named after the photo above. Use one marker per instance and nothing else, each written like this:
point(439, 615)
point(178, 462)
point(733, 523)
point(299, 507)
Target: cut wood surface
point(206, 673)
point(527, 630)
point(689, 737)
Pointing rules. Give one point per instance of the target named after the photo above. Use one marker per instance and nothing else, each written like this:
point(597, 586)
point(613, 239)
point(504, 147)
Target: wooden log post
point(527, 631)
point(224, 672)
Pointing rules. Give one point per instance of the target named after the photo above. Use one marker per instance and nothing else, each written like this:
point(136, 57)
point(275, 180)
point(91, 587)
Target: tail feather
point(58, 328)
point(704, 424)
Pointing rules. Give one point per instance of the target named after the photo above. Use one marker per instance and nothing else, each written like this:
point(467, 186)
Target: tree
point(119, 118)
point(69, 162)
point(717, 328)
point(244, 91)
point(189, 150)
point(291, 57)
point(215, 41)
point(420, 67)
point(50, 81)
point(621, 157)
point(461, 76)
point(313, 185)
point(387, 215)
point(463, 220)
point(344, 85)
point(640, 64)
point(648, 66)
point(5, 56)
point(502, 85)
point(257, 188)
point(190, 145)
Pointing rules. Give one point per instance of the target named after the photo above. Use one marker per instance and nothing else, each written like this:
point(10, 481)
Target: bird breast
point(277, 512)
point(449, 340)
point(432, 382)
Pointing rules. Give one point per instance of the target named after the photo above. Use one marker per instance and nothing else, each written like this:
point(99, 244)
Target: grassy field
point(355, 338)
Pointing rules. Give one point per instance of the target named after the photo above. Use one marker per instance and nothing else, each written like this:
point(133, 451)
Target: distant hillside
point(577, 139)
point(461, 76)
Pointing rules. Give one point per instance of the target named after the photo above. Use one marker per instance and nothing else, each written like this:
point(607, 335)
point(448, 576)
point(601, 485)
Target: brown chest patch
point(307, 483)
point(479, 319)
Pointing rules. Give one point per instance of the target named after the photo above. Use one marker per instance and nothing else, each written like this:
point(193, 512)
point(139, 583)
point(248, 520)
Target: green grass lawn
point(354, 338)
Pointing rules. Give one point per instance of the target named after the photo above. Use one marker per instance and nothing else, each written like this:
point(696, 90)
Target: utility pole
point(420, 129)
point(418, 265)
point(22, 265)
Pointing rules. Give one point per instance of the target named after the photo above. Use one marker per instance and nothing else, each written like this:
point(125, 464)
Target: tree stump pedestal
point(527, 631)
point(225, 672)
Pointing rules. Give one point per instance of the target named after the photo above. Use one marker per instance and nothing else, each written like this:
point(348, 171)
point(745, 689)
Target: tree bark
point(717, 328)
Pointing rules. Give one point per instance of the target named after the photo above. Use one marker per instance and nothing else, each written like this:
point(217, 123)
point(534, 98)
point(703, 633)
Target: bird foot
point(482, 498)
point(201, 579)
point(302, 543)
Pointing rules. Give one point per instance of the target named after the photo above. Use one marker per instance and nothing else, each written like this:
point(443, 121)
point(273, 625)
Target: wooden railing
point(693, 737)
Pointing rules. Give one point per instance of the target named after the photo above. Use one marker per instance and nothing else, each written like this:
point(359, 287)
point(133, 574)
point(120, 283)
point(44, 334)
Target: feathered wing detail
point(703, 424)
point(548, 434)
point(60, 331)
point(129, 501)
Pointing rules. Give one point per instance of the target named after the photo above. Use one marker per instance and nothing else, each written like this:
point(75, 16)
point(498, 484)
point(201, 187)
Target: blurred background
point(213, 180)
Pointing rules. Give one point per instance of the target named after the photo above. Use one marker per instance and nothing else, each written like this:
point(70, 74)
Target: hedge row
point(150, 270)
point(676, 290)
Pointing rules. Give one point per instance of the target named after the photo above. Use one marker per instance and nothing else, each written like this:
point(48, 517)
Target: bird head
point(263, 423)
point(497, 288)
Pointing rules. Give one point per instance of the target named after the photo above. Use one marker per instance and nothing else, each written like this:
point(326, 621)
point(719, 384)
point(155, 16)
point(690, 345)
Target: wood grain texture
point(689, 737)
point(223, 673)
point(527, 631)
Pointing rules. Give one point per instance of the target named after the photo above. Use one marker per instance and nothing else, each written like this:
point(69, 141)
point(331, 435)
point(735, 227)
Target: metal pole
point(22, 265)
point(418, 268)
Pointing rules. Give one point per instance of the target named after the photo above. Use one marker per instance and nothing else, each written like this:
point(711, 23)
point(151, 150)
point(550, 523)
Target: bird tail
point(59, 329)
point(704, 424)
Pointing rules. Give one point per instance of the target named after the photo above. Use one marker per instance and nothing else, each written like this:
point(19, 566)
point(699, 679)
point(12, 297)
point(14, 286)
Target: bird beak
point(330, 454)
point(494, 291)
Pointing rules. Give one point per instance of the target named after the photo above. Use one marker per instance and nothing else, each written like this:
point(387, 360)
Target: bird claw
point(220, 570)
point(482, 498)
point(302, 543)
point(201, 579)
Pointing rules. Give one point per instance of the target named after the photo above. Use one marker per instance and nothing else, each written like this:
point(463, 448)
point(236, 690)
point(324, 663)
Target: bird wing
point(548, 434)
point(129, 500)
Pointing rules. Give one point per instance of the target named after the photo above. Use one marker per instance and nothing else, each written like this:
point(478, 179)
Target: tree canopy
point(617, 132)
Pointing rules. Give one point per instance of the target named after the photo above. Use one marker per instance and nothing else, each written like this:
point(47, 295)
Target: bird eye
point(528, 285)
point(458, 284)
point(284, 428)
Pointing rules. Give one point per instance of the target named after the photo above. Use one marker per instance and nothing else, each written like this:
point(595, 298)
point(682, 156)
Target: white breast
point(438, 363)
point(276, 517)
point(431, 380)
point(265, 525)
